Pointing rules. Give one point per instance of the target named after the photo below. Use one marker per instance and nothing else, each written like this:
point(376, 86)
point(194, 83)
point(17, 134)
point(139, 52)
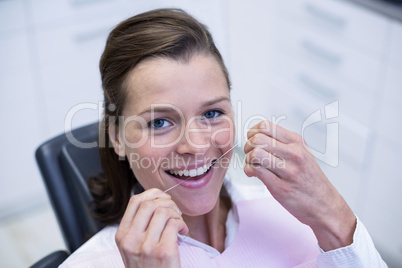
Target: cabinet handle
point(81, 3)
point(83, 37)
point(317, 87)
point(330, 19)
point(329, 56)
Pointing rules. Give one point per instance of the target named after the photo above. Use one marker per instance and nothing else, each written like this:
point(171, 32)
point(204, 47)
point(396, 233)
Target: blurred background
point(286, 58)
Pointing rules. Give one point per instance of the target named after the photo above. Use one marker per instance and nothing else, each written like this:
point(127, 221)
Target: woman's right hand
point(147, 235)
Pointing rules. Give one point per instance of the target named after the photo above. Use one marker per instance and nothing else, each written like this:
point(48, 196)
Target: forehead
point(162, 80)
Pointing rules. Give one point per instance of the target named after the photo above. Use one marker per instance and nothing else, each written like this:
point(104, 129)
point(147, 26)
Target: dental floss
point(210, 166)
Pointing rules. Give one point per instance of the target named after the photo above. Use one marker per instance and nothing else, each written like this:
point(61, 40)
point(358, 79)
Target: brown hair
point(169, 33)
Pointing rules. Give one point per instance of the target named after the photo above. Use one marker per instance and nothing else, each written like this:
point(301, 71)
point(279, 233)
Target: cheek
point(140, 162)
point(146, 162)
point(223, 137)
point(168, 139)
point(134, 138)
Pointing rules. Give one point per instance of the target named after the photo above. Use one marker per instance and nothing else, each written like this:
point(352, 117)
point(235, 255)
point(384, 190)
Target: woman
point(169, 119)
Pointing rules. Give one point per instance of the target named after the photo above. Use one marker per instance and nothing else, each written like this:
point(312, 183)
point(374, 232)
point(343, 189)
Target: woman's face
point(178, 120)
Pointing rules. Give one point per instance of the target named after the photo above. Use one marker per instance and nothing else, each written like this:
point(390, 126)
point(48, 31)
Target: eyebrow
point(158, 110)
point(214, 101)
point(167, 109)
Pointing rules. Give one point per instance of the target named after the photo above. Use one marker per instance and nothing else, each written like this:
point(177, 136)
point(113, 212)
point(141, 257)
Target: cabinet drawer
point(355, 100)
point(69, 59)
point(361, 28)
point(11, 17)
point(56, 13)
point(352, 137)
point(311, 49)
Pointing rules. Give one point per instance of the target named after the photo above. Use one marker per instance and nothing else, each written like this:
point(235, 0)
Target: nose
point(196, 140)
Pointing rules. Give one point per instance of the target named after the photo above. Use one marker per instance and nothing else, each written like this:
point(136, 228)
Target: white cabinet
point(322, 85)
point(68, 60)
point(389, 119)
point(350, 24)
point(383, 212)
point(12, 17)
point(21, 126)
point(389, 112)
point(323, 53)
point(303, 55)
point(394, 48)
point(58, 13)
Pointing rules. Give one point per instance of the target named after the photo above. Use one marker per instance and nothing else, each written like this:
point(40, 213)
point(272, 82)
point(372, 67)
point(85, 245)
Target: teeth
point(200, 171)
point(192, 172)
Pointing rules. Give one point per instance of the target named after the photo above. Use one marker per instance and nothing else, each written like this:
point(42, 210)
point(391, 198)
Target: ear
point(116, 140)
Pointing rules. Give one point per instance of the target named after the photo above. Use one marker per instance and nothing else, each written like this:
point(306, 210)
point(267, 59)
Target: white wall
point(285, 58)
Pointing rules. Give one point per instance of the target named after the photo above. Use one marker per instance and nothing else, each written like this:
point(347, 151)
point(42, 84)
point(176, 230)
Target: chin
point(198, 206)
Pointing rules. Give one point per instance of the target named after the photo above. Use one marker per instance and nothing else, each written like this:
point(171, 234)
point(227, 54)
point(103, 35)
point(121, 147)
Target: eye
point(212, 114)
point(159, 123)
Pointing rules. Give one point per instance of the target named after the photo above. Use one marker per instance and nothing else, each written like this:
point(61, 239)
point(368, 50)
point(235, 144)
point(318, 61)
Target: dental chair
point(66, 162)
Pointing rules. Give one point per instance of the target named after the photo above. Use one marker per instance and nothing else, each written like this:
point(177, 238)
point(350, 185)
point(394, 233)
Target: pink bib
point(268, 236)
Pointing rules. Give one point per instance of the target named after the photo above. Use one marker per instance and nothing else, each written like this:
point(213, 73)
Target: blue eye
point(212, 114)
point(158, 123)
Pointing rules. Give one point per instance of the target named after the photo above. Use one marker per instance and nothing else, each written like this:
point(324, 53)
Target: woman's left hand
point(280, 160)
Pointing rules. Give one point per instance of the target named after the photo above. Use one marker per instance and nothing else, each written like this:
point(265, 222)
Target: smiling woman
point(178, 127)
point(168, 118)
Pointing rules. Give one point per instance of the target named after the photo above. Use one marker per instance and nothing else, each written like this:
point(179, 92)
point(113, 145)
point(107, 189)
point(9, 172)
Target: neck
point(210, 228)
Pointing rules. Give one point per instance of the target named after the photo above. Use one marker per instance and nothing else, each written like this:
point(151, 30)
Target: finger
point(274, 131)
point(146, 211)
point(267, 143)
point(131, 237)
point(165, 251)
point(270, 179)
point(158, 223)
point(168, 245)
point(173, 227)
point(259, 156)
point(134, 204)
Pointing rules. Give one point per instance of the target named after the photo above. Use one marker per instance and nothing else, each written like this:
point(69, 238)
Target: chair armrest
point(52, 260)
